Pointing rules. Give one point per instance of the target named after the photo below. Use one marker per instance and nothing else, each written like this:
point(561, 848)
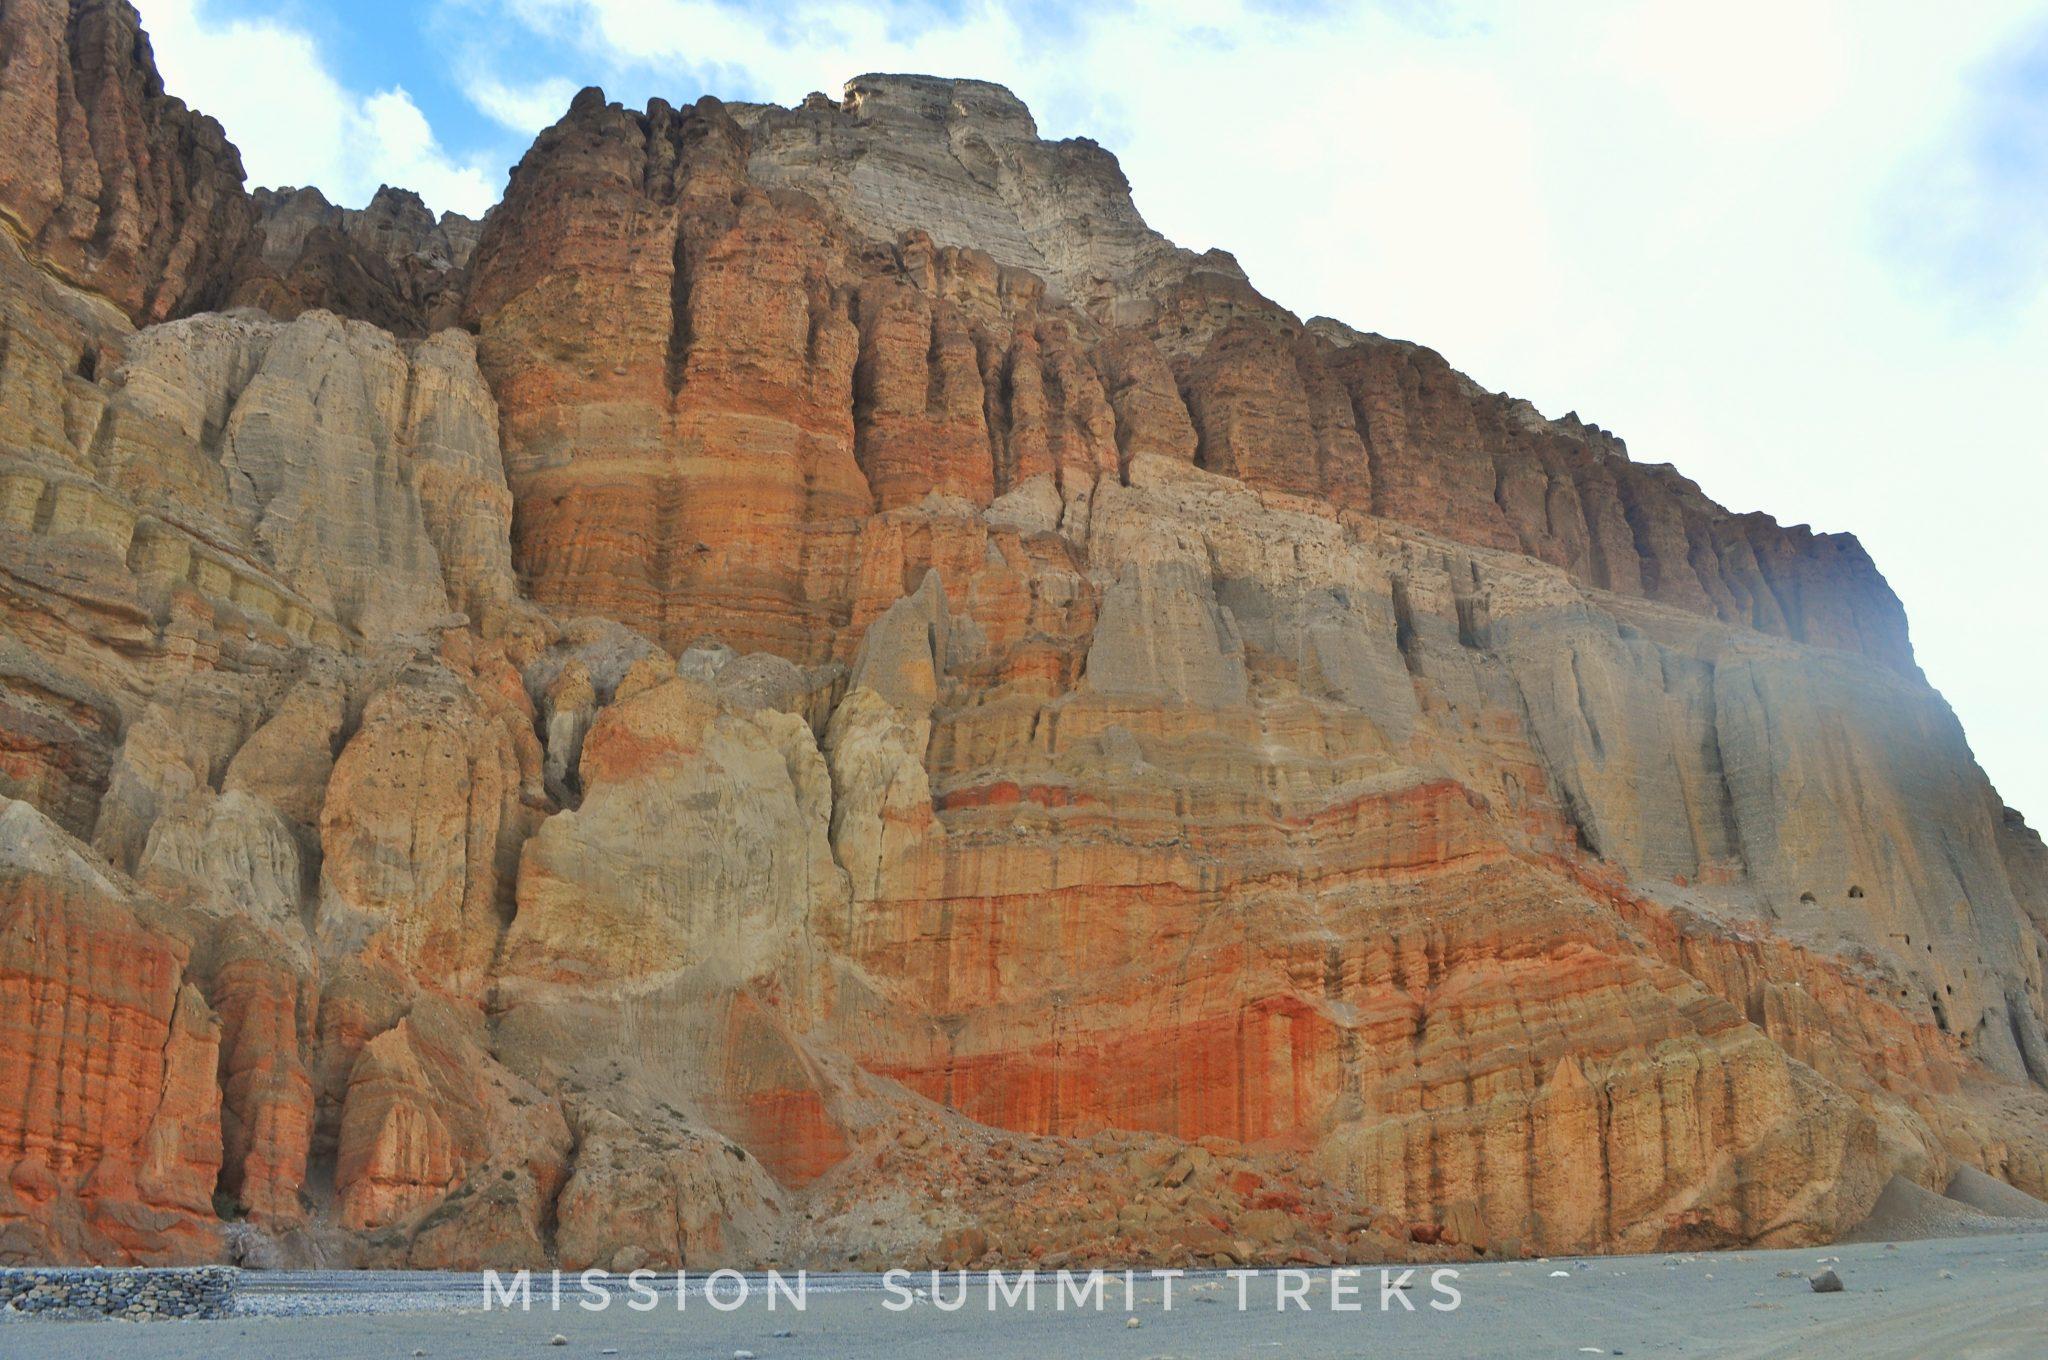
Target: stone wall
point(135, 1295)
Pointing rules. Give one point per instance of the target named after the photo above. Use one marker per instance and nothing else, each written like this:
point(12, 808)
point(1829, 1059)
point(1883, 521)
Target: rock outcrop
point(811, 690)
point(115, 185)
point(392, 263)
point(109, 1116)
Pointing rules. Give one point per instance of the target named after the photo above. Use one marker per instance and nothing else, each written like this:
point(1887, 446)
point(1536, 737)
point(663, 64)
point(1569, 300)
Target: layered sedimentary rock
point(110, 1118)
point(392, 263)
point(647, 260)
point(396, 227)
point(116, 185)
point(867, 708)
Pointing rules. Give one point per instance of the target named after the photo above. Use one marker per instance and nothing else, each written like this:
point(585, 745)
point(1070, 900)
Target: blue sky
point(1798, 248)
point(376, 44)
point(1980, 238)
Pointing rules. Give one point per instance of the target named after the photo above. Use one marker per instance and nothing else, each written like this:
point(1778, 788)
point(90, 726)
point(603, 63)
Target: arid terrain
point(1979, 1297)
point(810, 691)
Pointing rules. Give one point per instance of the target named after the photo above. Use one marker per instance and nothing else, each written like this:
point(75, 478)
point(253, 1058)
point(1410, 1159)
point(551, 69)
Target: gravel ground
point(1980, 1192)
point(1959, 1299)
point(1906, 1211)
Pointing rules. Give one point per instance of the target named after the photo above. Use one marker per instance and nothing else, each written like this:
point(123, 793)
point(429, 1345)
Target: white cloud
point(1737, 67)
point(401, 150)
point(526, 108)
point(295, 123)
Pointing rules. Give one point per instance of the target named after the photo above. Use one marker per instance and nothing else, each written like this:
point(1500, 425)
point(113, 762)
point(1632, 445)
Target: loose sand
point(1906, 1212)
point(1989, 1196)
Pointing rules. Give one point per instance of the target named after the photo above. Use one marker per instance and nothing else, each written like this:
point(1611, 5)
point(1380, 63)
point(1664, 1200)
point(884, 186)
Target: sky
point(1798, 248)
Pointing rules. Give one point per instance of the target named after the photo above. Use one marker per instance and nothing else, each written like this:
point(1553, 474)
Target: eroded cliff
point(864, 706)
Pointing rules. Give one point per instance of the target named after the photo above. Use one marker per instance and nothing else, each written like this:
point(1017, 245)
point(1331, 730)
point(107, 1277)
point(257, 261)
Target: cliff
point(811, 690)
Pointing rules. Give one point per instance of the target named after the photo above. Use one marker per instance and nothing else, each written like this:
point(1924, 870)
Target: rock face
point(110, 1118)
point(115, 185)
point(866, 707)
point(392, 263)
point(353, 463)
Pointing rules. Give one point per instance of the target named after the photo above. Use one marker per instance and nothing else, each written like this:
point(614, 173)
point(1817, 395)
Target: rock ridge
point(809, 691)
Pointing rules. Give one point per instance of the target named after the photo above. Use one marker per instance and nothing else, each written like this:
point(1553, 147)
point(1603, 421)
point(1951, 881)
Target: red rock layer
point(267, 1013)
point(1459, 1036)
point(110, 1128)
point(672, 367)
point(703, 380)
point(1479, 467)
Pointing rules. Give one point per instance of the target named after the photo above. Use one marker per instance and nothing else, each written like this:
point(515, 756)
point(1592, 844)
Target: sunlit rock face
point(811, 690)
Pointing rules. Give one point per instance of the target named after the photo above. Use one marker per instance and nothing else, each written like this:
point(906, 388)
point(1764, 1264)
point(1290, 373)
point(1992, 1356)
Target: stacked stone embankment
point(136, 1295)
